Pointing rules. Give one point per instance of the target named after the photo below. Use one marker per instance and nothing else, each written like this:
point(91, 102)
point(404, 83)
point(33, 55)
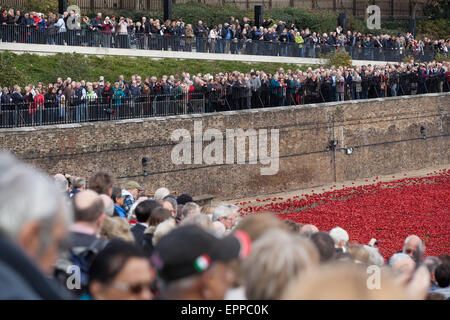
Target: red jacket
point(38, 103)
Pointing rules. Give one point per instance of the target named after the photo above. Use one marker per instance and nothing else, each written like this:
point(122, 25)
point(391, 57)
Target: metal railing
point(77, 110)
point(134, 40)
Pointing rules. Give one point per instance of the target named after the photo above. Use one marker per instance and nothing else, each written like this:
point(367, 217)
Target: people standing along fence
point(234, 37)
point(72, 101)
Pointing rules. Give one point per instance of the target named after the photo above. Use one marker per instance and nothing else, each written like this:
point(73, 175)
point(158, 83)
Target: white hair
point(201, 220)
point(62, 184)
point(276, 258)
point(219, 227)
point(161, 193)
point(162, 229)
point(338, 234)
point(375, 258)
point(190, 208)
point(421, 245)
point(223, 211)
point(27, 194)
point(108, 204)
point(397, 257)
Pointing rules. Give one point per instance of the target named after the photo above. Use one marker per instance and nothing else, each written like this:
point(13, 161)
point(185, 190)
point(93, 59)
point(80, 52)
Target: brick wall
point(385, 135)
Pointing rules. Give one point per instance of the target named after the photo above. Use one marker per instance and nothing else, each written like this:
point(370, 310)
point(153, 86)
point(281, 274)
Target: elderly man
point(226, 214)
point(414, 248)
point(130, 194)
point(88, 218)
point(34, 219)
point(340, 237)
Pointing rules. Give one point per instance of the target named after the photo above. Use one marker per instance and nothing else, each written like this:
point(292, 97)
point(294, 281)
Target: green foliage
point(434, 29)
point(437, 9)
point(440, 58)
point(29, 68)
point(321, 22)
point(42, 6)
point(337, 59)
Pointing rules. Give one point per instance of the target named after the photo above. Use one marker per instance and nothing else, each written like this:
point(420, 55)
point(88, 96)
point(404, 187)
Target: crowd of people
point(68, 237)
point(74, 101)
point(235, 36)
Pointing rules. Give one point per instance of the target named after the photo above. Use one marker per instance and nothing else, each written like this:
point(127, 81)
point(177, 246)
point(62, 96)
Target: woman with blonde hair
point(116, 227)
point(276, 258)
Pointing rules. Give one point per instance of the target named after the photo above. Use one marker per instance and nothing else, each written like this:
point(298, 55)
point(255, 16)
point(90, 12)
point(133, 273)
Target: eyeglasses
point(135, 288)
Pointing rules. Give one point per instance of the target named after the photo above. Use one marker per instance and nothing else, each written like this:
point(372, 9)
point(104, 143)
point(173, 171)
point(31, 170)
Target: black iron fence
point(148, 5)
point(57, 110)
point(92, 37)
point(76, 110)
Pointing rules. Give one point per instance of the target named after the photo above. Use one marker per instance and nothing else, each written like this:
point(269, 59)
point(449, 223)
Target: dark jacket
point(22, 277)
point(138, 234)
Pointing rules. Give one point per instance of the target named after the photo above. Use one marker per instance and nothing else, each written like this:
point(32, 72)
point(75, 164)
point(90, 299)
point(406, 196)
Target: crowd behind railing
point(80, 101)
point(234, 37)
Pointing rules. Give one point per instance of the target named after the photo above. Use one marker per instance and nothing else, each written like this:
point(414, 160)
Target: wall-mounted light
point(145, 162)
point(349, 151)
point(423, 132)
point(332, 145)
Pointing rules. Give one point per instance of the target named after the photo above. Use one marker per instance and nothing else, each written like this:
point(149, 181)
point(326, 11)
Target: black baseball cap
point(190, 250)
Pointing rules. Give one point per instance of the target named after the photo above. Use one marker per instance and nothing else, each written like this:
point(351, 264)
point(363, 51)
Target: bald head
point(108, 204)
point(309, 228)
point(88, 206)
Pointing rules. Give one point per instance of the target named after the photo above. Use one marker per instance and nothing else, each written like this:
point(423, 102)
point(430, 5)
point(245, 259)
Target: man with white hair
point(34, 219)
point(226, 214)
point(414, 248)
point(189, 209)
point(161, 193)
point(340, 237)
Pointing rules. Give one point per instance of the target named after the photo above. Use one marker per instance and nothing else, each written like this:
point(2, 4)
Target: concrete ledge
point(45, 49)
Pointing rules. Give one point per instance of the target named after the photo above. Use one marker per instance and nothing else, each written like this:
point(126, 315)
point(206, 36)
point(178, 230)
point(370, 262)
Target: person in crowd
point(442, 276)
point(143, 212)
point(78, 185)
point(34, 222)
point(88, 218)
point(118, 202)
point(101, 182)
point(340, 237)
point(116, 228)
point(256, 225)
point(194, 264)
point(121, 271)
point(130, 194)
point(414, 247)
point(264, 279)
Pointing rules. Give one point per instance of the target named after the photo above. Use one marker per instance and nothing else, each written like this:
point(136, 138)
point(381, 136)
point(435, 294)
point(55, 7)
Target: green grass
point(23, 69)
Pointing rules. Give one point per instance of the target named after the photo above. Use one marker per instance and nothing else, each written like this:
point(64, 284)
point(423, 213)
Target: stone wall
point(384, 134)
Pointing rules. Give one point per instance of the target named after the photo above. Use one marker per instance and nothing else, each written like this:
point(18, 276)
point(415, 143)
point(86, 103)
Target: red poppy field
point(387, 211)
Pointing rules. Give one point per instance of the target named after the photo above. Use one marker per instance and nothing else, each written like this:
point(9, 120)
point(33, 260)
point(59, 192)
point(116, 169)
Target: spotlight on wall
point(145, 162)
point(332, 145)
point(349, 151)
point(423, 131)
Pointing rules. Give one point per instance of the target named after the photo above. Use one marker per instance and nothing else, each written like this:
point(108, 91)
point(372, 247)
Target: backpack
point(82, 258)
